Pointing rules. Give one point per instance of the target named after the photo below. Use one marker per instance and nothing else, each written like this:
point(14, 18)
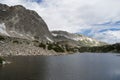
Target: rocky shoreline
point(1, 60)
point(23, 33)
point(10, 46)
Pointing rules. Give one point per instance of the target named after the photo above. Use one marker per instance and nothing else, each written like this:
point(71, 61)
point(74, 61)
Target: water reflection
point(71, 67)
point(1, 66)
point(24, 68)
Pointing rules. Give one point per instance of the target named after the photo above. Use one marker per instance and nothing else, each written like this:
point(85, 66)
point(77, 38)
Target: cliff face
point(17, 21)
point(24, 32)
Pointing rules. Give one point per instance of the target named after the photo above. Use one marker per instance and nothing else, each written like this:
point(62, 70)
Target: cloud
point(76, 15)
point(108, 36)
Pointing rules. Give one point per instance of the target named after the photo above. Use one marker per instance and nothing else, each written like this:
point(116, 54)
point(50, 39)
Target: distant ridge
point(24, 32)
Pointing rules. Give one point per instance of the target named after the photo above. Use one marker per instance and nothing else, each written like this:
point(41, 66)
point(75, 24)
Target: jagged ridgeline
point(17, 21)
point(75, 40)
point(24, 32)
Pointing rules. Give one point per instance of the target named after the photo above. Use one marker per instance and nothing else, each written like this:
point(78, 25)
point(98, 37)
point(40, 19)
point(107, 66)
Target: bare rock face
point(17, 21)
point(71, 39)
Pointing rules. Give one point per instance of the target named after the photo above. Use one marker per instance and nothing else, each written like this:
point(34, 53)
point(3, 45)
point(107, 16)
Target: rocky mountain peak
point(17, 21)
point(3, 6)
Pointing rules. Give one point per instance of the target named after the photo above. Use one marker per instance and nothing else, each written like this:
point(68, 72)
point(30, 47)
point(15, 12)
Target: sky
point(99, 19)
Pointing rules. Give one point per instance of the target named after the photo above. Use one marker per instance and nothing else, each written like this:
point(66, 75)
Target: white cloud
point(75, 15)
point(108, 36)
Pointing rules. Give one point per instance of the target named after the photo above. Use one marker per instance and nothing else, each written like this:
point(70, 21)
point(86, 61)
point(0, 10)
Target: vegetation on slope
point(102, 49)
point(1, 60)
point(59, 47)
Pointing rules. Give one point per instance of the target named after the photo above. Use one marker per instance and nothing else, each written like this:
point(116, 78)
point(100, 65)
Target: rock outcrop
point(11, 46)
point(17, 21)
point(24, 32)
point(71, 39)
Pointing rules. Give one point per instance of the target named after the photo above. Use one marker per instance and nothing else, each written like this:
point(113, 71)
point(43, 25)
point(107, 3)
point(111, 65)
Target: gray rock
point(17, 21)
point(71, 39)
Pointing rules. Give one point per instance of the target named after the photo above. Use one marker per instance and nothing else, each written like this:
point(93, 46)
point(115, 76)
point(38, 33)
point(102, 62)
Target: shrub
point(55, 47)
point(36, 43)
point(50, 46)
point(2, 38)
point(17, 42)
point(42, 45)
point(1, 60)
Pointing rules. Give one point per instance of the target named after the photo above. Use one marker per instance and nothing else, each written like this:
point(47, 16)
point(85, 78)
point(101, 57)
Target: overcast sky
point(99, 19)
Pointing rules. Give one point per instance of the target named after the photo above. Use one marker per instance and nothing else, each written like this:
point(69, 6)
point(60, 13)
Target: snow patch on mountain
point(49, 39)
point(54, 34)
point(76, 38)
point(14, 32)
point(3, 29)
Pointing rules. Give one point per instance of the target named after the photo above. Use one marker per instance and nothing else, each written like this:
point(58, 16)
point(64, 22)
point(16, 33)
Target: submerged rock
point(3, 61)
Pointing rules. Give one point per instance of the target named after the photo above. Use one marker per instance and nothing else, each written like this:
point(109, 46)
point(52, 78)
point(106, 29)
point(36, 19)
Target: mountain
point(72, 39)
point(24, 32)
point(17, 21)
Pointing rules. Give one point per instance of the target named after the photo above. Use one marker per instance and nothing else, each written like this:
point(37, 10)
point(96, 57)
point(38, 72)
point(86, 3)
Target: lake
point(83, 66)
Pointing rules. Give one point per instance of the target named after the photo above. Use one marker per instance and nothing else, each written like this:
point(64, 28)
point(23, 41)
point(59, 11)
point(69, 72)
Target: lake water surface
point(85, 66)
